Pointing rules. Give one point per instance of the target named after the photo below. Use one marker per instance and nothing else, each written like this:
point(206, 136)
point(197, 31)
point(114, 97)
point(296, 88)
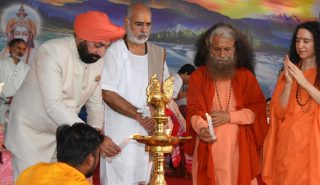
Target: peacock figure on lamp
point(159, 142)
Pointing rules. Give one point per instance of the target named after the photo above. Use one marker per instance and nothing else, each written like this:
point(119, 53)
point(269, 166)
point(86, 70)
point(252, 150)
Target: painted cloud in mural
point(254, 8)
point(61, 2)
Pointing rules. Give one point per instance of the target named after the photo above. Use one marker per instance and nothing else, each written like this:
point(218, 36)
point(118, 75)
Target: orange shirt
point(51, 174)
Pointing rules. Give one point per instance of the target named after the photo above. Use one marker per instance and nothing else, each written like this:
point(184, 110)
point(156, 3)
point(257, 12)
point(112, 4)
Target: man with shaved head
point(129, 64)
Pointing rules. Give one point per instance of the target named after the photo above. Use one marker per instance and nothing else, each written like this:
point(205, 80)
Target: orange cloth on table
point(51, 174)
point(291, 153)
point(248, 95)
point(96, 27)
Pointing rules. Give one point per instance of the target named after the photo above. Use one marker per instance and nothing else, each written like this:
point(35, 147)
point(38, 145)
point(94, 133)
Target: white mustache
point(143, 35)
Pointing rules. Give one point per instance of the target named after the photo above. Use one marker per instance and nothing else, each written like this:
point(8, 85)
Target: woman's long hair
point(314, 28)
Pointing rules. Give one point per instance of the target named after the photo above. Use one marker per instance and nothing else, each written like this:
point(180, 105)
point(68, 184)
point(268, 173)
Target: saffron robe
point(291, 153)
point(248, 95)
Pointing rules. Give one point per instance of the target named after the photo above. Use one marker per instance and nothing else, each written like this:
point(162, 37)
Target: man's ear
point(89, 160)
point(126, 21)
point(78, 39)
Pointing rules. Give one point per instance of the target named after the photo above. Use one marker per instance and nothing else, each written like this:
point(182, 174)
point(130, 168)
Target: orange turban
point(96, 27)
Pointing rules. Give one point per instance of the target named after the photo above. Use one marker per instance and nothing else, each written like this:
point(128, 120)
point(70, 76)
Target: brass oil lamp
point(159, 142)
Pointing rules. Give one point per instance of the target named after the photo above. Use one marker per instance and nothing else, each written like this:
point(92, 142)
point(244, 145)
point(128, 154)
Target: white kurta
point(127, 75)
point(57, 85)
point(27, 58)
point(177, 84)
point(12, 75)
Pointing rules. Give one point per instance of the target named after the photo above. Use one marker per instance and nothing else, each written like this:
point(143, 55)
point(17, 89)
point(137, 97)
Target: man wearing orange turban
point(64, 77)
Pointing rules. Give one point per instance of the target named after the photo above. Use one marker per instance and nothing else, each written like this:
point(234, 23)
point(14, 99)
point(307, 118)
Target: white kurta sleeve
point(49, 76)
point(95, 110)
point(166, 73)
point(177, 84)
point(111, 71)
point(2, 79)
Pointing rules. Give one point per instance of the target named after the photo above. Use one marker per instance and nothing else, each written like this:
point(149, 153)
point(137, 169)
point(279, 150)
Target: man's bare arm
point(119, 104)
point(122, 106)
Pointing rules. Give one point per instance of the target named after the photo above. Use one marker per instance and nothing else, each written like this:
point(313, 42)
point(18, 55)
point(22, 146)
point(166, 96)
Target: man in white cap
point(65, 76)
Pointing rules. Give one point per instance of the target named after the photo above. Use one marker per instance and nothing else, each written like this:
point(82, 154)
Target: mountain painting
point(177, 24)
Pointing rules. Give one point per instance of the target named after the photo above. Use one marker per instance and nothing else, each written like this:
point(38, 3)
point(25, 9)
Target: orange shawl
point(248, 95)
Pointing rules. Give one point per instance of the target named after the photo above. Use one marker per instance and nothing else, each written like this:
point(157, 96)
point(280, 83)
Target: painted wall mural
point(176, 25)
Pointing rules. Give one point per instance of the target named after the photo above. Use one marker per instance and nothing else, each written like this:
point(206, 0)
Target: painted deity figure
point(21, 27)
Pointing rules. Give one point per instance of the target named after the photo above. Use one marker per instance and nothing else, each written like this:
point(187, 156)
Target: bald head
point(136, 8)
point(138, 23)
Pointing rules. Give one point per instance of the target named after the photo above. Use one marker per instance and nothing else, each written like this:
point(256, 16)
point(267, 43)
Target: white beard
point(136, 40)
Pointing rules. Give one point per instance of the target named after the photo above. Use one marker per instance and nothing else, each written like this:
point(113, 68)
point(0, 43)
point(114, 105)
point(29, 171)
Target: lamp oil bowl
point(159, 142)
